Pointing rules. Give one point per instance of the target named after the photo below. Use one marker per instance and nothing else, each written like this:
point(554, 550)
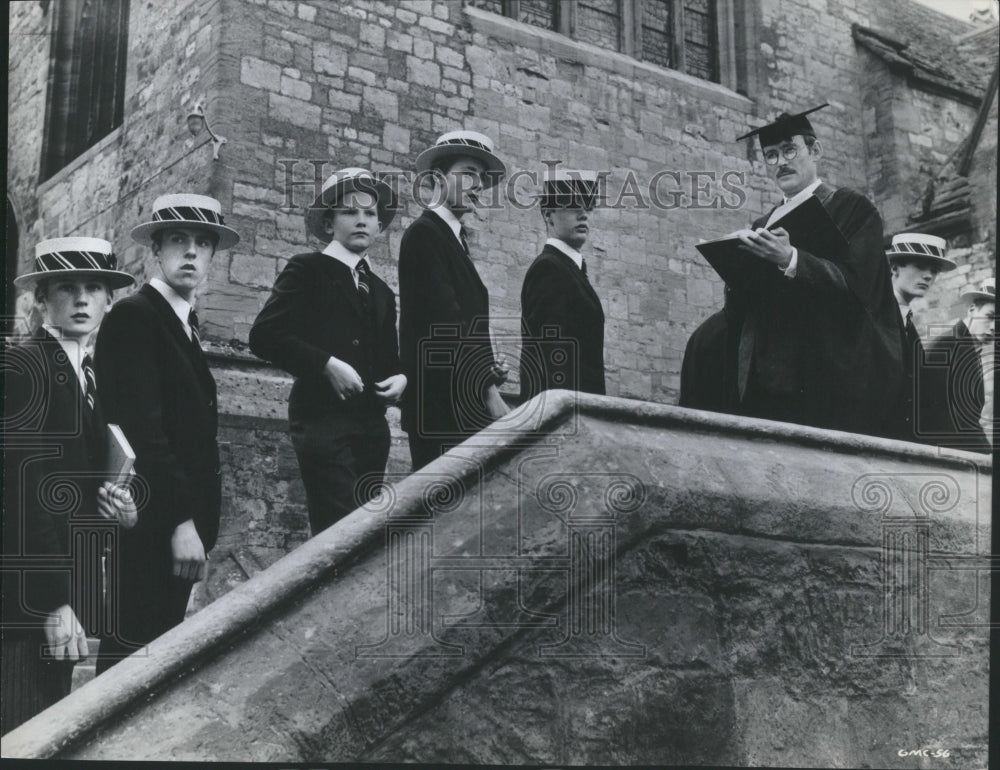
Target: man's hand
point(390, 390)
point(64, 636)
point(115, 502)
point(189, 553)
point(346, 382)
point(771, 245)
point(495, 405)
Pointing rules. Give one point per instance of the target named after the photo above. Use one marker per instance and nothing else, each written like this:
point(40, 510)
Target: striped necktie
point(91, 382)
point(465, 243)
point(364, 281)
point(195, 333)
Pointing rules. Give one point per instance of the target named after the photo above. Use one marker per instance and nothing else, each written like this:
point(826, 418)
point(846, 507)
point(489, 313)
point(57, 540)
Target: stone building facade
point(300, 88)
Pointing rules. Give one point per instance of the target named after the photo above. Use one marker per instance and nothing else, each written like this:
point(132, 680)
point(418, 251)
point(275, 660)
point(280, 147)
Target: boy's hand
point(64, 636)
point(390, 390)
point(343, 378)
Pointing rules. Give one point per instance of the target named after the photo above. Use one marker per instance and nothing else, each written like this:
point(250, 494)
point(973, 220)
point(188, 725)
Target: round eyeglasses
point(789, 153)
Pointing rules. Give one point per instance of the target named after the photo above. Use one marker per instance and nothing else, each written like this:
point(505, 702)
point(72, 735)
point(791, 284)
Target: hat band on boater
point(187, 214)
point(75, 260)
point(915, 248)
point(465, 142)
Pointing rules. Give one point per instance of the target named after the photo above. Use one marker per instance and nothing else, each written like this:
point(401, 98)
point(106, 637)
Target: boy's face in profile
point(981, 320)
point(354, 222)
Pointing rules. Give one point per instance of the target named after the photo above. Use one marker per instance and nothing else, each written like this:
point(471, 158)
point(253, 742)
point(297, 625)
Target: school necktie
point(91, 382)
point(912, 340)
point(465, 243)
point(195, 333)
point(364, 281)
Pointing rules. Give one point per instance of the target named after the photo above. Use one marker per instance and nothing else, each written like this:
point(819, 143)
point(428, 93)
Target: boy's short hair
point(157, 236)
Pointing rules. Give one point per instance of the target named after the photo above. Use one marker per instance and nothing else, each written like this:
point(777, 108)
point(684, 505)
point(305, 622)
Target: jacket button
point(355, 342)
point(211, 402)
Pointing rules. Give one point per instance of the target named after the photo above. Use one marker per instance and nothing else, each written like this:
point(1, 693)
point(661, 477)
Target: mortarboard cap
point(784, 127)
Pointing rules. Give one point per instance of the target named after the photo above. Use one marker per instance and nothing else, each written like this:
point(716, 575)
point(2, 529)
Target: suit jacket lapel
point(459, 260)
point(574, 273)
point(191, 353)
point(67, 379)
point(167, 314)
point(339, 275)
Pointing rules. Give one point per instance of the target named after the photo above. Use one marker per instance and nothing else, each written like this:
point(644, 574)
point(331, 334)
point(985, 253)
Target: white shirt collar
point(342, 254)
point(904, 307)
point(75, 352)
point(449, 219)
point(177, 303)
point(566, 249)
point(801, 195)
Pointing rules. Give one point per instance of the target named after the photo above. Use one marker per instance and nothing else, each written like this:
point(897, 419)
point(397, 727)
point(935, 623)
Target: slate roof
point(931, 49)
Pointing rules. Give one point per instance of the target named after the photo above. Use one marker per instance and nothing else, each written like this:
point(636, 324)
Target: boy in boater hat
point(562, 321)
point(822, 348)
point(959, 369)
point(157, 386)
point(55, 452)
point(331, 322)
point(915, 260)
point(444, 307)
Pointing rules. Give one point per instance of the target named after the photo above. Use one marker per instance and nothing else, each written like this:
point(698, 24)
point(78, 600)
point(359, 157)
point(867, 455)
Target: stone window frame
point(731, 21)
point(85, 100)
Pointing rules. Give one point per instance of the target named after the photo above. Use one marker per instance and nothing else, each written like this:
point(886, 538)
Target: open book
point(809, 229)
point(121, 457)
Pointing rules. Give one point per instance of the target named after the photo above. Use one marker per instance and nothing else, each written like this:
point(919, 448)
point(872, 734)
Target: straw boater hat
point(464, 144)
point(568, 187)
point(337, 185)
point(185, 210)
point(987, 292)
point(75, 258)
point(910, 247)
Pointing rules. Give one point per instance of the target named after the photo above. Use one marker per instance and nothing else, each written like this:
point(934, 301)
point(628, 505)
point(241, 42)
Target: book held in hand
point(810, 229)
point(121, 457)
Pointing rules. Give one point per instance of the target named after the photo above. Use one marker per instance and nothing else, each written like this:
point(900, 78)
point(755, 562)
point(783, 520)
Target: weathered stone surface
point(733, 572)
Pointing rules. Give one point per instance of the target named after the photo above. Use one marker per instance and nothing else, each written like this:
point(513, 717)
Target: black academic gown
point(562, 325)
point(823, 348)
